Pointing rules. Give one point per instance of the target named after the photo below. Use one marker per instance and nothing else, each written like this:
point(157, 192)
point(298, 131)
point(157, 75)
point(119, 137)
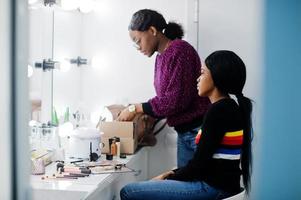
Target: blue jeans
point(186, 146)
point(170, 189)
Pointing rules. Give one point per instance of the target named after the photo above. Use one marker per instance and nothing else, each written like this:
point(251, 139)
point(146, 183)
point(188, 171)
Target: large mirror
point(82, 59)
point(115, 73)
point(94, 32)
point(94, 63)
point(88, 60)
point(97, 63)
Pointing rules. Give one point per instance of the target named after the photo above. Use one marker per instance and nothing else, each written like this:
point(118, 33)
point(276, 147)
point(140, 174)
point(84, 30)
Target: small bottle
point(114, 148)
point(117, 139)
point(110, 144)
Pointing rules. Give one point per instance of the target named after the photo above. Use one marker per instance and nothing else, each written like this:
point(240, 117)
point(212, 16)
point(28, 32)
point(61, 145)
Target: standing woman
point(223, 144)
point(177, 67)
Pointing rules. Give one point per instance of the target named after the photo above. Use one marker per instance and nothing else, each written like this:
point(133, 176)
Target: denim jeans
point(170, 189)
point(186, 146)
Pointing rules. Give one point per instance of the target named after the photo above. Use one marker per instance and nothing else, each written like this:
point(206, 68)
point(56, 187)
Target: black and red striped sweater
point(219, 143)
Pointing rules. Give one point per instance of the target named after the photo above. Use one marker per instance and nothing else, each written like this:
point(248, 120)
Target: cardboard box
point(123, 130)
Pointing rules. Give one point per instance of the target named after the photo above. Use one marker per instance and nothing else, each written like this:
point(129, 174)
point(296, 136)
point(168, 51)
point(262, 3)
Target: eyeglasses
point(137, 43)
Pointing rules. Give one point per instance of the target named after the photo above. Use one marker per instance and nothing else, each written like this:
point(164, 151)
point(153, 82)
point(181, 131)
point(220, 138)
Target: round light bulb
point(33, 123)
point(65, 66)
point(103, 8)
point(86, 6)
point(29, 71)
point(99, 62)
point(69, 4)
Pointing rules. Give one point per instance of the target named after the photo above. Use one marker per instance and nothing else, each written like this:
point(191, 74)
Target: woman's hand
point(163, 176)
point(126, 115)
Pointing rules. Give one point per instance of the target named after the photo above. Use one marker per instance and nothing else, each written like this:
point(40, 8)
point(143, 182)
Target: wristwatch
point(132, 108)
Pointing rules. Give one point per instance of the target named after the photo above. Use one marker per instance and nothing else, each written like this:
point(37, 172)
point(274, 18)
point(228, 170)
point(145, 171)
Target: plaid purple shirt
point(175, 81)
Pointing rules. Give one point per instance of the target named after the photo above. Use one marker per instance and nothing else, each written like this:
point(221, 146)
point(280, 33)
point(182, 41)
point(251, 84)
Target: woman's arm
point(211, 137)
point(129, 112)
point(163, 176)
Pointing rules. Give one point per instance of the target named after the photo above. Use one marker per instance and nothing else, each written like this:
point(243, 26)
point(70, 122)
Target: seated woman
point(223, 143)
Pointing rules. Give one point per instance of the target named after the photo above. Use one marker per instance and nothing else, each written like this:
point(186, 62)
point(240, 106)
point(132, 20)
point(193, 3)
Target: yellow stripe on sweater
point(234, 133)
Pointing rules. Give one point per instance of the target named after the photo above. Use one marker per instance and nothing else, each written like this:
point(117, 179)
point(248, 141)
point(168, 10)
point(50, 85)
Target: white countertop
point(81, 188)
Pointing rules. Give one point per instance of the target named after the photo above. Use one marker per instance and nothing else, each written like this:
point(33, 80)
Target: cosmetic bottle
point(117, 139)
point(114, 148)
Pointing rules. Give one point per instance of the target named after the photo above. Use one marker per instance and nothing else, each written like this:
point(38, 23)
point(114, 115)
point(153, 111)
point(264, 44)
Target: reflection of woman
point(176, 68)
point(223, 143)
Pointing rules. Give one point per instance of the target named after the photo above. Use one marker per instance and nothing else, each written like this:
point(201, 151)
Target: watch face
point(132, 108)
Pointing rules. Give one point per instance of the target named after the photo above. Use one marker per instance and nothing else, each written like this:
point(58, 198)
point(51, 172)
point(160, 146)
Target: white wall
point(235, 25)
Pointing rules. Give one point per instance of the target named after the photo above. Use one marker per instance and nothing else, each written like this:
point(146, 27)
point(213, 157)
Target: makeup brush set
point(81, 169)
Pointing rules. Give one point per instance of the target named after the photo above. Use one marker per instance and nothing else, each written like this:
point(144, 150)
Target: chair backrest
point(239, 196)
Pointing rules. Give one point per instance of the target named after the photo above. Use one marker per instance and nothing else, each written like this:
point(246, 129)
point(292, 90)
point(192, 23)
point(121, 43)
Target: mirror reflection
point(82, 60)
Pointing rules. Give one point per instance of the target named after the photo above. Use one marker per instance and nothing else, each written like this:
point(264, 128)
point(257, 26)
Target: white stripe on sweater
point(226, 156)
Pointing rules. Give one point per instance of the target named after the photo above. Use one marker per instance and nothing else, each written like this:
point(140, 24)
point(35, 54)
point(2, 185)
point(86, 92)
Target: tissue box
point(123, 130)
